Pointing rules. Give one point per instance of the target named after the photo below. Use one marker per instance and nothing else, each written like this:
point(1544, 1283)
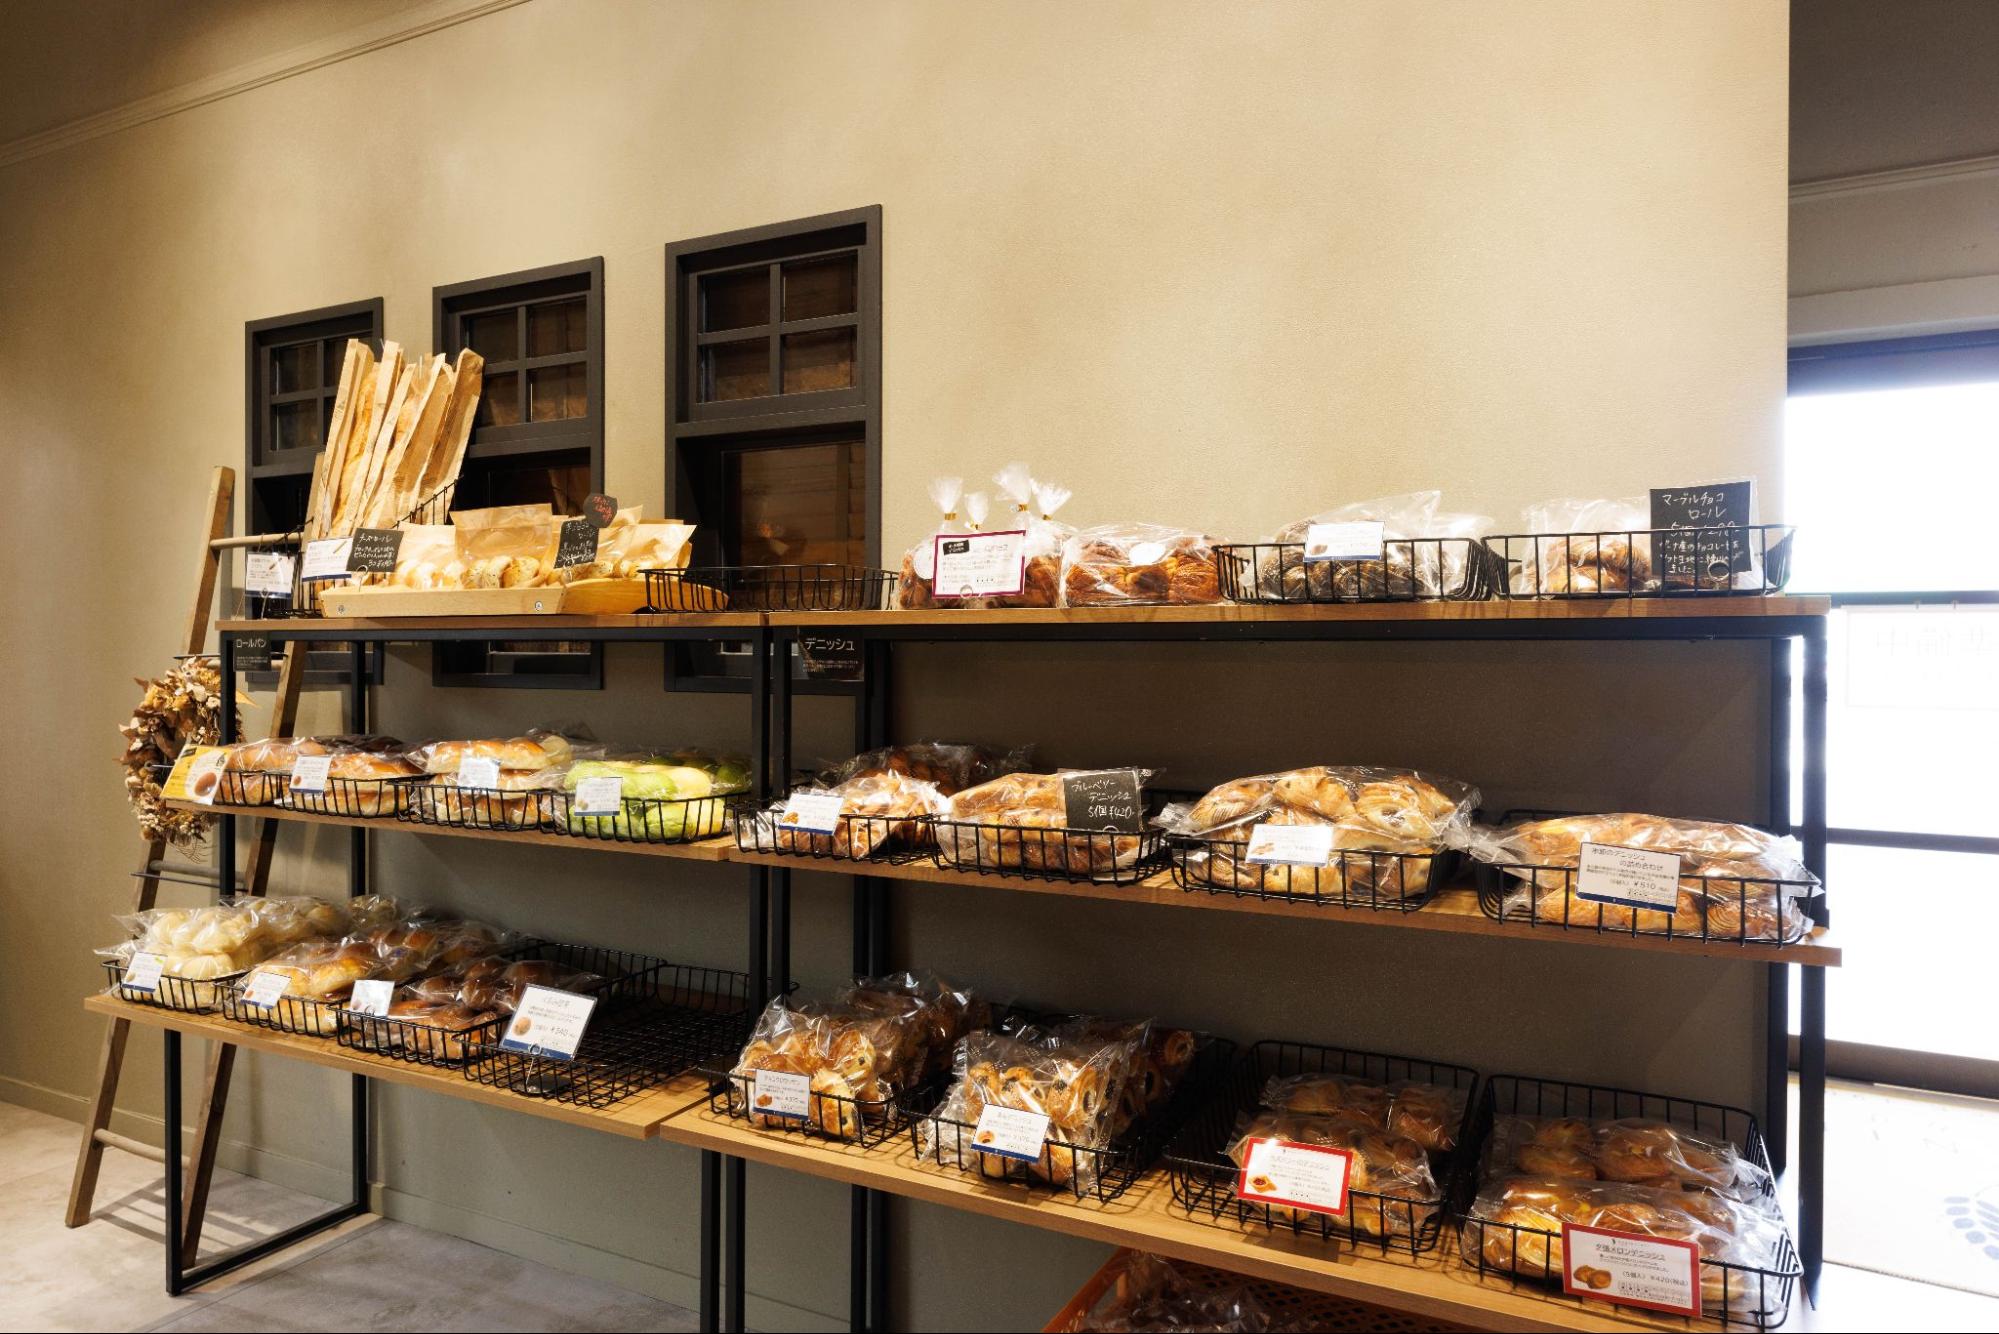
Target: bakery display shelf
point(1435, 1284)
point(637, 1118)
point(1203, 1176)
point(1732, 910)
point(1454, 909)
point(701, 850)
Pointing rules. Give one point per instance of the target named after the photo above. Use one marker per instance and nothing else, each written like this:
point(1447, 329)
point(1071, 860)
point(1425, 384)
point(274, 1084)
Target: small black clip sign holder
point(1709, 558)
point(374, 550)
point(1112, 800)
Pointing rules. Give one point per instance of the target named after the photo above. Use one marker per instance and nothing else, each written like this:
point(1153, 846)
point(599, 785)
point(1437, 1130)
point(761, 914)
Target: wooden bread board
point(595, 597)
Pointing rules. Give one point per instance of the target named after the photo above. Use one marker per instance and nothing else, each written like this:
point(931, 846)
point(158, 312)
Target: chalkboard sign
point(1112, 799)
point(578, 544)
point(374, 550)
point(1703, 560)
point(253, 653)
point(830, 657)
point(601, 510)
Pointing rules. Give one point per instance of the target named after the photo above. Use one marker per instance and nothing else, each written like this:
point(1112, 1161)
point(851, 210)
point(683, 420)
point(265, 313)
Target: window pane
point(816, 361)
point(738, 300)
point(1860, 479)
point(1913, 721)
point(735, 370)
point(556, 327)
point(296, 425)
point(816, 287)
point(556, 393)
point(796, 504)
point(496, 335)
point(500, 401)
point(294, 367)
point(1914, 976)
point(332, 356)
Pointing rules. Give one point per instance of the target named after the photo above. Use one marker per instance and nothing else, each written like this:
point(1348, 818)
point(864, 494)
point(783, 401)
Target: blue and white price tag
point(549, 1023)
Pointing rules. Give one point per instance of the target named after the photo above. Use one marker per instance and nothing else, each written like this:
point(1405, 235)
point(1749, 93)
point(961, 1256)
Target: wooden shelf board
point(1502, 609)
point(701, 850)
point(536, 627)
point(1436, 1284)
point(1455, 908)
point(635, 1118)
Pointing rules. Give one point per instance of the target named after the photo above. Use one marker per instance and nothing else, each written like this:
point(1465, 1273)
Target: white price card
point(1311, 1177)
point(263, 989)
point(781, 1093)
point(1634, 877)
point(268, 573)
point(1011, 1133)
point(602, 794)
point(327, 558)
point(1343, 541)
point(479, 772)
point(812, 812)
point(971, 565)
point(1631, 1269)
point(309, 773)
point(372, 996)
point(142, 973)
point(1290, 845)
point(549, 1023)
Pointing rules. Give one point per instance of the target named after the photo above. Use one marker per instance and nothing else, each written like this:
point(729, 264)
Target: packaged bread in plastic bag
point(1428, 1114)
point(946, 1012)
point(1427, 552)
point(858, 1059)
point(1133, 564)
point(1153, 1294)
point(1020, 821)
point(915, 585)
point(1635, 1151)
point(1034, 507)
point(950, 766)
point(511, 546)
point(1580, 547)
point(1393, 1189)
point(1387, 827)
point(427, 558)
point(879, 812)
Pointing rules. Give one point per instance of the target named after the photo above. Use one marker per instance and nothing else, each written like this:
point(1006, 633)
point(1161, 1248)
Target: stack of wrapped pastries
point(1020, 822)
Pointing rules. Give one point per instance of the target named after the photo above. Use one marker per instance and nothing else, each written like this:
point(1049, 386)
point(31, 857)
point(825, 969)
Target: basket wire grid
point(1412, 569)
point(1203, 1177)
point(1734, 559)
point(1756, 1296)
point(186, 994)
point(1027, 853)
point(1382, 881)
point(479, 808)
point(365, 798)
point(1765, 911)
point(891, 839)
point(643, 819)
point(813, 587)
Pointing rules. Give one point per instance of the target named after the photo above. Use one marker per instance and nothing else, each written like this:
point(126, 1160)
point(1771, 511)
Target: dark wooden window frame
point(696, 430)
point(525, 440)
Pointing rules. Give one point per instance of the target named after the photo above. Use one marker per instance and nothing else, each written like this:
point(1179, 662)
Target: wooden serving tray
point(604, 597)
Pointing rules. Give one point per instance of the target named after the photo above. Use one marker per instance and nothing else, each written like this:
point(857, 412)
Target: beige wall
point(1222, 264)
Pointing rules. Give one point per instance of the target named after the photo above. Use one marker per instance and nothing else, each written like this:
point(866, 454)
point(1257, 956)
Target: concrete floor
point(374, 1275)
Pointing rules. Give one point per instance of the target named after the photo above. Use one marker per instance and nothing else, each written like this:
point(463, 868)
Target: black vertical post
point(357, 725)
point(225, 827)
point(1777, 976)
point(711, 1229)
point(780, 878)
point(734, 1189)
point(1811, 1010)
point(170, 1040)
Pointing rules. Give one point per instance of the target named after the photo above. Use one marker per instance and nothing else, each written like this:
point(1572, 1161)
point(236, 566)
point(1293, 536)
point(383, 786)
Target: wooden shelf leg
point(90, 1154)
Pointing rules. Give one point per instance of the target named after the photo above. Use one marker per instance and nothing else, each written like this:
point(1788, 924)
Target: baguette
point(448, 454)
point(403, 478)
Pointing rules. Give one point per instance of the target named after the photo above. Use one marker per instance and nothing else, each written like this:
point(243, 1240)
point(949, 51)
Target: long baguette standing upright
point(357, 371)
point(448, 455)
point(390, 443)
point(392, 381)
point(403, 478)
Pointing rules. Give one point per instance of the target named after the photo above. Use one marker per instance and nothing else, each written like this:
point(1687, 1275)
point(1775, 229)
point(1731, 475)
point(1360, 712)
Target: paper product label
point(196, 775)
point(371, 996)
point(603, 794)
point(1011, 1133)
point(812, 812)
point(327, 558)
point(1343, 541)
point(1630, 1269)
point(1290, 845)
point(263, 989)
point(373, 550)
point(143, 972)
point(979, 564)
point(1112, 800)
point(479, 772)
point(549, 1023)
point(309, 773)
point(1311, 1177)
point(781, 1093)
point(269, 573)
point(1634, 877)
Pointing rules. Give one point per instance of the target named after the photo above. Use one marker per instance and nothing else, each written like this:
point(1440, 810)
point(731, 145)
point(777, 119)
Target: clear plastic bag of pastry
point(1392, 1191)
point(1429, 1115)
point(511, 546)
point(258, 773)
point(1388, 831)
point(1158, 1059)
point(915, 586)
point(1747, 1262)
point(1150, 1293)
point(222, 939)
point(462, 790)
point(1632, 1151)
point(427, 558)
point(1737, 883)
point(950, 766)
point(946, 1012)
point(364, 777)
point(537, 748)
point(1075, 1084)
point(1035, 504)
point(1581, 548)
point(1019, 824)
point(854, 1061)
point(661, 798)
point(881, 815)
point(1427, 553)
point(1138, 564)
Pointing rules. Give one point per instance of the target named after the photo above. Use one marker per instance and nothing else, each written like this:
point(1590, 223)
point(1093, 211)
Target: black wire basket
point(1412, 569)
point(1382, 881)
point(891, 839)
point(302, 1015)
point(816, 587)
point(187, 994)
point(1731, 910)
point(1080, 1171)
point(1754, 1295)
point(1080, 856)
point(354, 798)
point(1203, 1177)
point(259, 606)
point(681, 1017)
point(643, 819)
point(1735, 559)
point(622, 979)
point(840, 1118)
point(479, 808)
point(251, 787)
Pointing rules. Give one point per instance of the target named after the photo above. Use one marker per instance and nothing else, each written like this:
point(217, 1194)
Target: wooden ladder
point(97, 1133)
